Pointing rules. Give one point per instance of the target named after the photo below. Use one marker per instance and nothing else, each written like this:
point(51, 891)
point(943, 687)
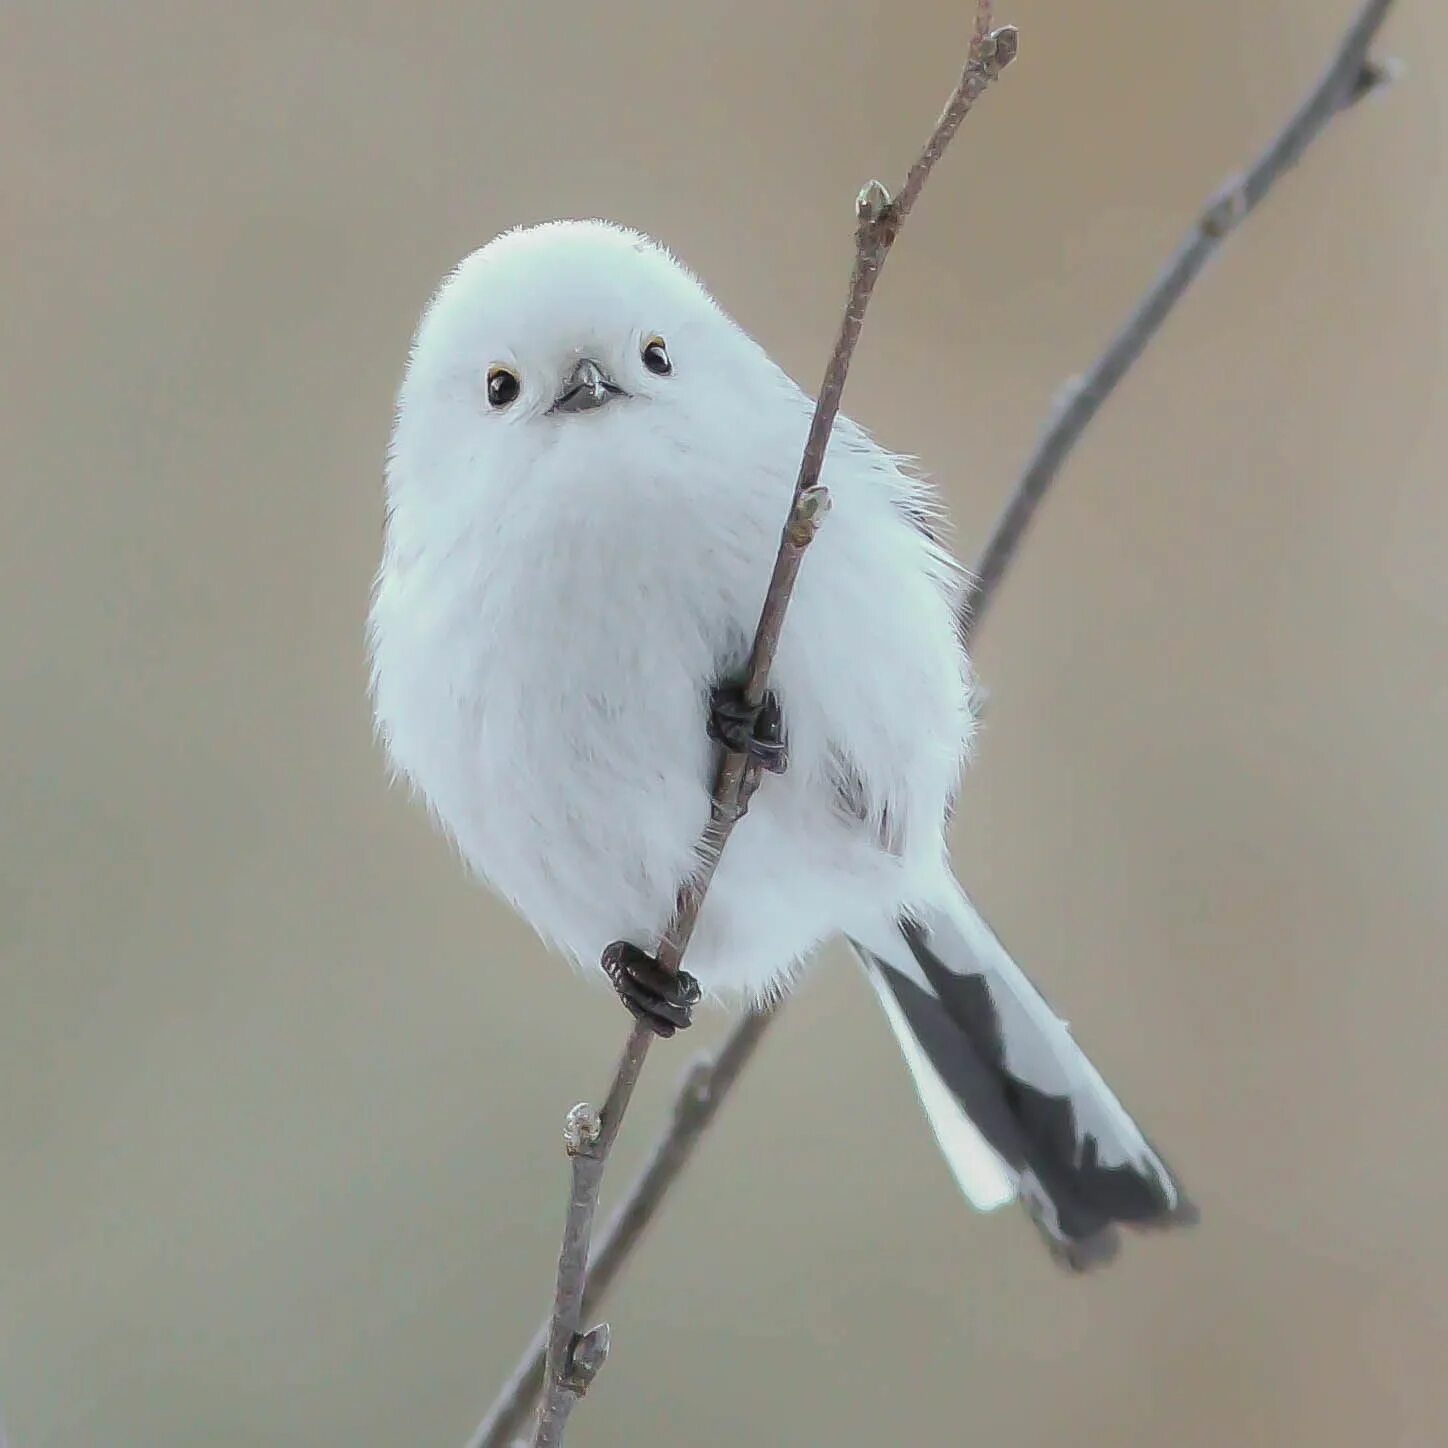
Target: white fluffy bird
point(588, 475)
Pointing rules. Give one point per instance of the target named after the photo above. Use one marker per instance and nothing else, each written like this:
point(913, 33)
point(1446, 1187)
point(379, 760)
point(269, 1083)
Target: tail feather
point(981, 1172)
point(1018, 1109)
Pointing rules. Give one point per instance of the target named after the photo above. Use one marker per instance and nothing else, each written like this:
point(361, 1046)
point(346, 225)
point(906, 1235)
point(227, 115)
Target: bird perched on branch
point(588, 475)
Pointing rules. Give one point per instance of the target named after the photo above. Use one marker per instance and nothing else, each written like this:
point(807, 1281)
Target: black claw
point(757, 732)
point(660, 998)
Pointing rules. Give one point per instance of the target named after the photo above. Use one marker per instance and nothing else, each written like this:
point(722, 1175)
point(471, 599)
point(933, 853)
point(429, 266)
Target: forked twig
point(1351, 75)
point(703, 1090)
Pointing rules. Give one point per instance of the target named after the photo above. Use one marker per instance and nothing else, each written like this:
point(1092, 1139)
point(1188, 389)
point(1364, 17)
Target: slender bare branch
point(1351, 75)
point(878, 222)
point(703, 1090)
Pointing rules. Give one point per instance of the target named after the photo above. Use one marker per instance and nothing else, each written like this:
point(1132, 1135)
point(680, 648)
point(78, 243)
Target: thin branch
point(703, 1090)
point(878, 222)
point(1351, 75)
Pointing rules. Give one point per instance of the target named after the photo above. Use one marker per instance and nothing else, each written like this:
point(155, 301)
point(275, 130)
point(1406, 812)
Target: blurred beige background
point(280, 1090)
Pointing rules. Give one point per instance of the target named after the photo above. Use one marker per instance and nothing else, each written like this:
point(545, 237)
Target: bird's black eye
point(503, 386)
point(656, 357)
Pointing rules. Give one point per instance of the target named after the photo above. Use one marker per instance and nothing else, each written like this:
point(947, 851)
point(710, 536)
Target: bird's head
point(569, 334)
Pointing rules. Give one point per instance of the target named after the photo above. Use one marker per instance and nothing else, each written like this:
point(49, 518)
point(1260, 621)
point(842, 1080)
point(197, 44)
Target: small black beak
point(588, 386)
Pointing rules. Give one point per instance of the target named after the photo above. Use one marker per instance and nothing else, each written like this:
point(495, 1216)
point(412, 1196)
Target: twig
point(1351, 75)
point(591, 1134)
point(706, 1084)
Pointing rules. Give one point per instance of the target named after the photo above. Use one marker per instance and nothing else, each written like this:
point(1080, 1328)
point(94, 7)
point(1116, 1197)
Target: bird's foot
point(757, 732)
point(662, 999)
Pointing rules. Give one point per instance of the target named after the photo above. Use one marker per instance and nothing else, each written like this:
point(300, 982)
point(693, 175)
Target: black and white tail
point(1017, 1108)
